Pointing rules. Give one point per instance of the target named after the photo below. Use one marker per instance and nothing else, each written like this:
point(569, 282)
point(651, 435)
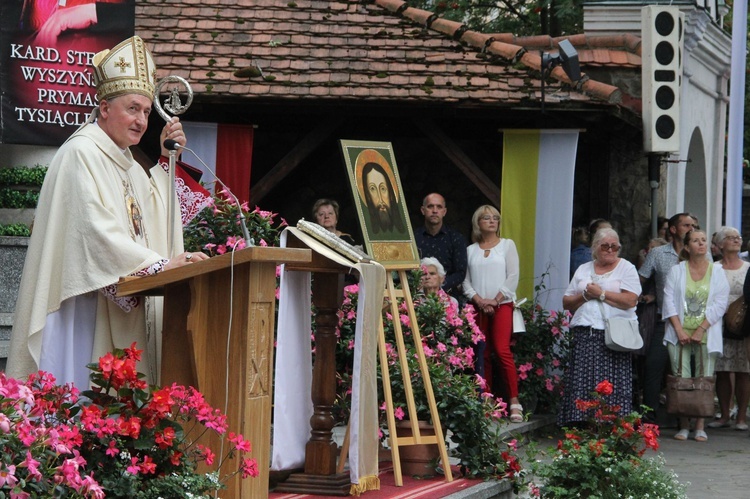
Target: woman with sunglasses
point(490, 284)
point(608, 286)
point(695, 299)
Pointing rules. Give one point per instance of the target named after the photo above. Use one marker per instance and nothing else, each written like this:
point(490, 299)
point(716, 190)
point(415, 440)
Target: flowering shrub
point(605, 458)
point(216, 229)
point(448, 335)
point(541, 355)
point(121, 439)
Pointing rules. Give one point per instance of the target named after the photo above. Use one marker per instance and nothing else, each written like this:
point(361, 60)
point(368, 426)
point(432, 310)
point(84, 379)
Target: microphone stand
point(172, 146)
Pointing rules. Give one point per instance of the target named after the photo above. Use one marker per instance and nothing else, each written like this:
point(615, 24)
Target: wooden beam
point(293, 159)
point(460, 159)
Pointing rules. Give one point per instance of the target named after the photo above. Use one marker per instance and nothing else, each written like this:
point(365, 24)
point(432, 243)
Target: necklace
point(133, 207)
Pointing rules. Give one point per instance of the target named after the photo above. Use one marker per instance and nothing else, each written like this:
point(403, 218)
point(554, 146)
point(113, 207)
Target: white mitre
point(126, 69)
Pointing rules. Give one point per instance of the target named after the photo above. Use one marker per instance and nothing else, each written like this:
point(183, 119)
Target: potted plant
point(217, 230)
point(472, 417)
point(121, 439)
point(541, 354)
point(605, 458)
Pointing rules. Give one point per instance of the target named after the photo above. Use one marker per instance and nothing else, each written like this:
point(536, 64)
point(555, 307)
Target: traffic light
point(661, 75)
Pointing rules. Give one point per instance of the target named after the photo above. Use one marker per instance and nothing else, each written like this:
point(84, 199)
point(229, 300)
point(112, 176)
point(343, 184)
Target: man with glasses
point(438, 240)
point(659, 262)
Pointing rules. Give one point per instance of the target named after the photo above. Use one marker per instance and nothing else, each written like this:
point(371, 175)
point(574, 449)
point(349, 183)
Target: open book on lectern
point(334, 242)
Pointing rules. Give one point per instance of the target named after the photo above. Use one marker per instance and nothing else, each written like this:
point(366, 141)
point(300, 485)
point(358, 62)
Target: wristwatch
point(602, 296)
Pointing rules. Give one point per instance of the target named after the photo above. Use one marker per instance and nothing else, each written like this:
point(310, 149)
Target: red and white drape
point(226, 149)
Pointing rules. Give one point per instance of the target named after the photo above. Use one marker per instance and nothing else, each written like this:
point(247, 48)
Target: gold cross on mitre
point(122, 64)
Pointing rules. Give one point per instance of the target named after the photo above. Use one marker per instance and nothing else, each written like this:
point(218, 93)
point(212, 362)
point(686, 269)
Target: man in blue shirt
point(438, 240)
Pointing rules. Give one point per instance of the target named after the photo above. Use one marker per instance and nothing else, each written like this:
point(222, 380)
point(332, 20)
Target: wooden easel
point(395, 296)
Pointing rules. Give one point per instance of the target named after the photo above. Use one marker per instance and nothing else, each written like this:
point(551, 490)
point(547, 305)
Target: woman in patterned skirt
point(734, 357)
point(607, 286)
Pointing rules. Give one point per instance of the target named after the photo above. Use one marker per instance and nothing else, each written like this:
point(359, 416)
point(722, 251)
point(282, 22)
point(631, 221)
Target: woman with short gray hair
point(608, 286)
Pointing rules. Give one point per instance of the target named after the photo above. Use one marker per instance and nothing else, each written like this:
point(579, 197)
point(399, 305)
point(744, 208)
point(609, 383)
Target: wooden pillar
point(321, 450)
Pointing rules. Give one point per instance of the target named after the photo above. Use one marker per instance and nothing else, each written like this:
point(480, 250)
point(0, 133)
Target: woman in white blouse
point(606, 287)
point(490, 284)
point(695, 299)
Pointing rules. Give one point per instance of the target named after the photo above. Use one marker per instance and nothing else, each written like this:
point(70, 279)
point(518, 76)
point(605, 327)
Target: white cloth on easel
point(293, 373)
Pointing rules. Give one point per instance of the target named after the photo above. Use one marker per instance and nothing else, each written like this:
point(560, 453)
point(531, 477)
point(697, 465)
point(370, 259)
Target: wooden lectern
point(218, 336)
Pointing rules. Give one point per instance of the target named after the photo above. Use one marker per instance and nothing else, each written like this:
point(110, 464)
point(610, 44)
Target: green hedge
point(14, 198)
point(17, 230)
point(19, 186)
point(22, 176)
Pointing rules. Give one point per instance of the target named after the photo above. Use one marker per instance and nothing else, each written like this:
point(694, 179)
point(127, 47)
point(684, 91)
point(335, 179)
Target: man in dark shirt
point(438, 240)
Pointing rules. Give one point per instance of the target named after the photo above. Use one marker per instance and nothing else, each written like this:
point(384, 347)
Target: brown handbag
point(734, 318)
point(691, 397)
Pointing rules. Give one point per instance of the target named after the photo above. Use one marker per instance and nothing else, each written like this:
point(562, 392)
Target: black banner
point(46, 78)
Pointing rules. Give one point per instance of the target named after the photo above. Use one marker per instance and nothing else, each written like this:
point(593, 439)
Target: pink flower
point(399, 413)
point(112, 450)
point(8, 476)
point(513, 444)
point(249, 468)
point(133, 469)
point(236, 243)
point(4, 423)
point(239, 442)
point(32, 465)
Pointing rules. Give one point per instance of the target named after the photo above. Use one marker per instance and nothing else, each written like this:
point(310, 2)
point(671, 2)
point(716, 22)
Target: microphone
point(172, 145)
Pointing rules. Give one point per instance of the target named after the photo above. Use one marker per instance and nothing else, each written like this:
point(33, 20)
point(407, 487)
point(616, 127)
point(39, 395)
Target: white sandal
point(518, 416)
point(682, 434)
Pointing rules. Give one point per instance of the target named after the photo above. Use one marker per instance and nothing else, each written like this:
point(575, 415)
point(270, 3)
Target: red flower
point(604, 388)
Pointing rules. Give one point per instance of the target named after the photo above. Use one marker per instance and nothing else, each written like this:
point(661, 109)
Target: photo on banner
point(46, 78)
point(381, 206)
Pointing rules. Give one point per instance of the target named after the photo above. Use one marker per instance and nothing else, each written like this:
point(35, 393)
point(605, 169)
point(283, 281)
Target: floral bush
point(217, 230)
point(604, 459)
point(541, 355)
point(120, 439)
point(473, 416)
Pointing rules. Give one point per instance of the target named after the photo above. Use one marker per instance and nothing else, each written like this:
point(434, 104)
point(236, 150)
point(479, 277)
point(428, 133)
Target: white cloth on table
point(293, 372)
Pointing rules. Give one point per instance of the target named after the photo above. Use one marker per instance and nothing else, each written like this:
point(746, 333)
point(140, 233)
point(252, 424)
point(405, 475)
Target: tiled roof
point(379, 50)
